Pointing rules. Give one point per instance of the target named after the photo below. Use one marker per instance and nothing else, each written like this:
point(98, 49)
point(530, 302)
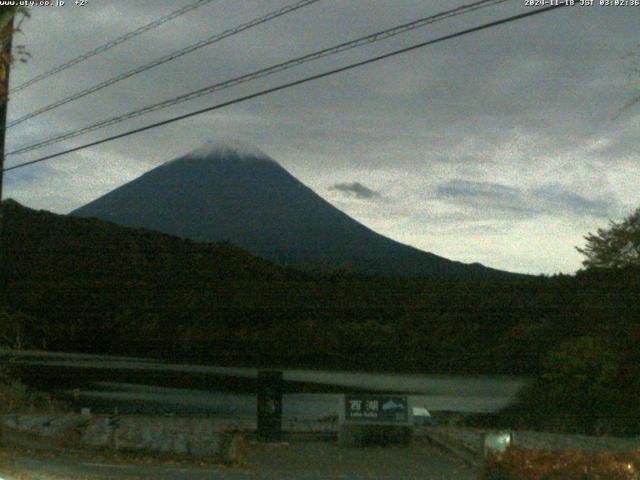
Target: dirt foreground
point(299, 460)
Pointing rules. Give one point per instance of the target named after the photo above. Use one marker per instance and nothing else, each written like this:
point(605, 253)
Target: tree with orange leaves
point(10, 20)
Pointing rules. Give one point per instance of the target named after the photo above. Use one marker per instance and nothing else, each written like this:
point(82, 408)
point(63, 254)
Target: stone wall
point(217, 439)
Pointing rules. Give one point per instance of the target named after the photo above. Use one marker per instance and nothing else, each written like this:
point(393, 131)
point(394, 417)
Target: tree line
point(73, 284)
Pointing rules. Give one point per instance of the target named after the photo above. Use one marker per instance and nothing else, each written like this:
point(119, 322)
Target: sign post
point(269, 405)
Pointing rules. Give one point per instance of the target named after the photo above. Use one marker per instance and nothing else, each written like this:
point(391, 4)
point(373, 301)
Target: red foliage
point(561, 465)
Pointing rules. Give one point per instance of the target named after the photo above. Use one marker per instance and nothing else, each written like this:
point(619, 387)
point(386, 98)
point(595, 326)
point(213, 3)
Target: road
point(147, 386)
point(304, 461)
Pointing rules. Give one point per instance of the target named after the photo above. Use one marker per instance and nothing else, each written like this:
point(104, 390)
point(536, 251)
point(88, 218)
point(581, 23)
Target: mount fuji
point(235, 193)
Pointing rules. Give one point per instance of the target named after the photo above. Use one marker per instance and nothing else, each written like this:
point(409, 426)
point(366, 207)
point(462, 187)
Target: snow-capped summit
point(228, 153)
point(227, 147)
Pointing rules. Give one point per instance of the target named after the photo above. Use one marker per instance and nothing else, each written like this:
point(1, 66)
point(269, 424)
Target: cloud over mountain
point(356, 189)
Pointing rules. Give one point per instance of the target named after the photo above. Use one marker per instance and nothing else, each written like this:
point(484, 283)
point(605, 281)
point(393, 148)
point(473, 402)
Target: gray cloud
point(505, 110)
point(356, 189)
point(20, 177)
point(556, 199)
point(549, 199)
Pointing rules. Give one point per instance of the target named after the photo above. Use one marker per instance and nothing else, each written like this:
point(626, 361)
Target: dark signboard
point(270, 405)
point(376, 408)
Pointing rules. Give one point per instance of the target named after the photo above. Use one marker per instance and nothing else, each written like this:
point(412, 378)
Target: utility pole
point(4, 104)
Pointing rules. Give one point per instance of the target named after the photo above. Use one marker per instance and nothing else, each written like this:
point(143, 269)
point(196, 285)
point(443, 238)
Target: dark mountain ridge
point(71, 246)
point(246, 198)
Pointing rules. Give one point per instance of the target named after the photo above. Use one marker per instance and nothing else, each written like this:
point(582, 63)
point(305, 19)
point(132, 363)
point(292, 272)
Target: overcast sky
point(502, 147)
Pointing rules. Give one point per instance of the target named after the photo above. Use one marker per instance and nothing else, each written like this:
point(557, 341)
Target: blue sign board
point(376, 408)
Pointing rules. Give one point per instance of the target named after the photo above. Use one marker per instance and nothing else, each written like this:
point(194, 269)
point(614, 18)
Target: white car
point(421, 416)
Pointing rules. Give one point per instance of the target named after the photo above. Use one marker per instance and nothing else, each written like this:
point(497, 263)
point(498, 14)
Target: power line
point(167, 58)
point(292, 84)
point(263, 73)
point(111, 44)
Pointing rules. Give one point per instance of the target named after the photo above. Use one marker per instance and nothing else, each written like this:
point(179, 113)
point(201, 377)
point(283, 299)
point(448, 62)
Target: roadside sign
point(376, 409)
point(375, 419)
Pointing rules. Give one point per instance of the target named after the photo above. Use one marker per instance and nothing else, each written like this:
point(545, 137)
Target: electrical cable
point(111, 44)
point(293, 83)
point(368, 39)
point(164, 59)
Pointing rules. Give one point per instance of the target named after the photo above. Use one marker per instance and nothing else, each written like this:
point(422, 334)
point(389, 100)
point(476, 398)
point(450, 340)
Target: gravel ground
point(310, 460)
point(326, 460)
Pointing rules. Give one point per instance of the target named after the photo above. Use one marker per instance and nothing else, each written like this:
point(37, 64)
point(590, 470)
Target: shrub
point(517, 464)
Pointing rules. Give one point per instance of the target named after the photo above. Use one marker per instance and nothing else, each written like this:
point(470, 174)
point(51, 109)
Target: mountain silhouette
point(235, 193)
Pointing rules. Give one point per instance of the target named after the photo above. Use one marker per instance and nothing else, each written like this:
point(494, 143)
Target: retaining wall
point(217, 439)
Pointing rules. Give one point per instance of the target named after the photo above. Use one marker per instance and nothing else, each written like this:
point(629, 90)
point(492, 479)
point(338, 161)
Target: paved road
point(110, 381)
point(304, 461)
